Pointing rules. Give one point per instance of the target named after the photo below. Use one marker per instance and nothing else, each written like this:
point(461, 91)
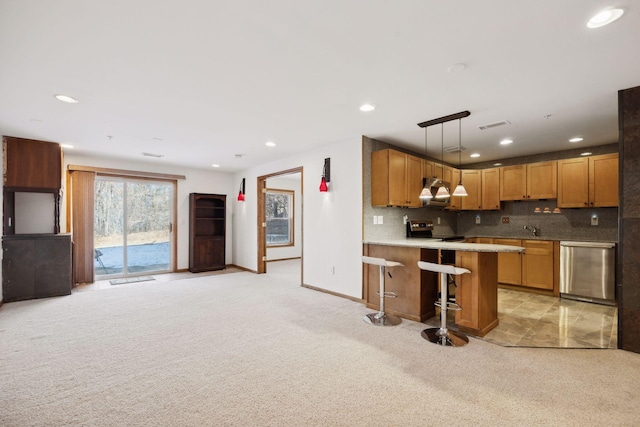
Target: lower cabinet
point(535, 268)
point(36, 266)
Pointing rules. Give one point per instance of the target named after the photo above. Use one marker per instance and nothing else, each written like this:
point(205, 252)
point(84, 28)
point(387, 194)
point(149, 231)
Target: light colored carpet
point(258, 350)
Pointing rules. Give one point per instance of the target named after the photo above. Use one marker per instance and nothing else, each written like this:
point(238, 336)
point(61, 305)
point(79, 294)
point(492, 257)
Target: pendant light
point(425, 194)
point(443, 192)
point(460, 190)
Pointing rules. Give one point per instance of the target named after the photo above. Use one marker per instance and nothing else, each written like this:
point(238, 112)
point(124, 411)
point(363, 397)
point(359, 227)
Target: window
point(279, 215)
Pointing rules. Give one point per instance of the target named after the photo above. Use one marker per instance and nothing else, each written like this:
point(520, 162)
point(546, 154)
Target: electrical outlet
point(477, 219)
point(505, 220)
point(594, 220)
point(380, 220)
point(375, 220)
point(438, 220)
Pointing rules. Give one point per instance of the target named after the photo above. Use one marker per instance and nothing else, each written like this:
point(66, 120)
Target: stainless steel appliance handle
point(589, 244)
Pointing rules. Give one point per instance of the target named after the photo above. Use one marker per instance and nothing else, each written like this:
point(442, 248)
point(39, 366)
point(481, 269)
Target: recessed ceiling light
point(158, 156)
point(497, 164)
point(587, 153)
point(604, 17)
point(66, 98)
point(66, 145)
point(367, 107)
point(456, 67)
point(576, 139)
point(506, 141)
point(215, 165)
point(270, 144)
point(474, 155)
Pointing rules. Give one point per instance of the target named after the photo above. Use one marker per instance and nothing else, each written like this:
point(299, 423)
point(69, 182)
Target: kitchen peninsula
point(476, 293)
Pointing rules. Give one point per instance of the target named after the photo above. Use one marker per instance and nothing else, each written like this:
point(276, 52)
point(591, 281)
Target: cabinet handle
point(586, 204)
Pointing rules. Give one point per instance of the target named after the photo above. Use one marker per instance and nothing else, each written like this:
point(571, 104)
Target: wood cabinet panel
point(603, 180)
point(588, 182)
point(509, 264)
point(477, 292)
point(573, 183)
point(207, 231)
point(31, 165)
point(490, 193)
point(455, 203)
point(542, 180)
point(471, 179)
point(396, 179)
point(513, 182)
point(537, 264)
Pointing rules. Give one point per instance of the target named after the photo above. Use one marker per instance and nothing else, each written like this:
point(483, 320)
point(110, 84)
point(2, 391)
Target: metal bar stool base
point(384, 320)
point(449, 338)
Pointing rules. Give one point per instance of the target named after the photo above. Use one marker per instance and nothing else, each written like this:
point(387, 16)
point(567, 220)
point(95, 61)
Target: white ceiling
point(200, 81)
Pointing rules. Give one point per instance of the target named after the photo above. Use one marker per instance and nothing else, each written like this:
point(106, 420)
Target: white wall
point(291, 183)
point(332, 222)
point(197, 181)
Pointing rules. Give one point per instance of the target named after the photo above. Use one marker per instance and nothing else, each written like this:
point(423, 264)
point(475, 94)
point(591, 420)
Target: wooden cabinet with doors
point(396, 179)
point(538, 264)
point(471, 179)
point(36, 266)
point(532, 181)
point(207, 225)
point(490, 193)
point(588, 182)
point(509, 263)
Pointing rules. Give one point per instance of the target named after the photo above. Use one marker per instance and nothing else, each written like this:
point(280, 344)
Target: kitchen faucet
point(534, 230)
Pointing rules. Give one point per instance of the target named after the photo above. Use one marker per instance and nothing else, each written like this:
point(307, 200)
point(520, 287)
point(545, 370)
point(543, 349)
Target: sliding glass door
point(133, 226)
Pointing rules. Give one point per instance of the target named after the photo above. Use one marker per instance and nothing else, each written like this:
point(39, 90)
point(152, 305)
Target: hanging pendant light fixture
point(425, 194)
point(443, 192)
point(460, 190)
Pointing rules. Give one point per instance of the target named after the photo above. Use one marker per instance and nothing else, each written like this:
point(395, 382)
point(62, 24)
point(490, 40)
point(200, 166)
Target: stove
point(423, 229)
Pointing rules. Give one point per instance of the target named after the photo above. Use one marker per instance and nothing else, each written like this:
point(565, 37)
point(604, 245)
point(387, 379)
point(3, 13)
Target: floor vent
point(494, 125)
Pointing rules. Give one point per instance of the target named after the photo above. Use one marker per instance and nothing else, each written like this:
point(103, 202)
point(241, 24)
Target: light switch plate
point(477, 219)
point(594, 220)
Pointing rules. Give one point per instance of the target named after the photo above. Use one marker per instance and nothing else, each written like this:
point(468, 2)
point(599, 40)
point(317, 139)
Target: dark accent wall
point(628, 282)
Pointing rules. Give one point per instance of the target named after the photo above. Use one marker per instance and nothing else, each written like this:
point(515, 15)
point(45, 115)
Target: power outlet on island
point(505, 220)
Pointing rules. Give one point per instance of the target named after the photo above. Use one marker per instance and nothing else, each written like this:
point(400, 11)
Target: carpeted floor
point(259, 350)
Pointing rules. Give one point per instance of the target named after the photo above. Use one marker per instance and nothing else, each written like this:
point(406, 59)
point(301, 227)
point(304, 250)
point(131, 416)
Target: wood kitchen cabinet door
point(397, 178)
point(455, 202)
point(537, 264)
point(472, 183)
point(603, 180)
point(513, 182)
point(415, 173)
point(490, 193)
point(542, 180)
point(509, 263)
point(573, 183)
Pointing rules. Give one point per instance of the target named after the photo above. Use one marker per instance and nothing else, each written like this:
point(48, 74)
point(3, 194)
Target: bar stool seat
point(381, 318)
point(442, 335)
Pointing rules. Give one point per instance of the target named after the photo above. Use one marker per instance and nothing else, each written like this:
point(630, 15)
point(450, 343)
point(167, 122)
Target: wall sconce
point(241, 192)
point(326, 175)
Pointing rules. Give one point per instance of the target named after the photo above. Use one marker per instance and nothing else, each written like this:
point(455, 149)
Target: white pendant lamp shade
point(460, 191)
point(442, 193)
point(426, 194)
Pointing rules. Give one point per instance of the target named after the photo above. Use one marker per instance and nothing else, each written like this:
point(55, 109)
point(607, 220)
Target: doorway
point(133, 226)
point(295, 174)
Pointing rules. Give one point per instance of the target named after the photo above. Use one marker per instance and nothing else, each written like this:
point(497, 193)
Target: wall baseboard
point(314, 288)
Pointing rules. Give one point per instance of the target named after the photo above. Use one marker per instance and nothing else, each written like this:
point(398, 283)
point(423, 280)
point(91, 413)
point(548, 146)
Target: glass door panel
point(132, 227)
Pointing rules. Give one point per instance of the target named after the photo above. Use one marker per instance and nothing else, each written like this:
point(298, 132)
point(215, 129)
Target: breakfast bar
point(476, 293)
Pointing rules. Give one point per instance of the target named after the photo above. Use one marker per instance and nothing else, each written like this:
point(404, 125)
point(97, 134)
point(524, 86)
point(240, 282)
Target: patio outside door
point(133, 230)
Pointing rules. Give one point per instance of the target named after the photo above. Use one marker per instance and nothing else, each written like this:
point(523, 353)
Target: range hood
point(434, 185)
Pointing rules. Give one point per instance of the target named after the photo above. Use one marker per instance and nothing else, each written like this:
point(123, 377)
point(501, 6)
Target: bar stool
point(442, 335)
point(381, 318)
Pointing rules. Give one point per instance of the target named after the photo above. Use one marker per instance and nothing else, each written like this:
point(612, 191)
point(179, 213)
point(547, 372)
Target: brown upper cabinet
point(588, 181)
point(396, 179)
point(32, 166)
point(483, 189)
point(533, 181)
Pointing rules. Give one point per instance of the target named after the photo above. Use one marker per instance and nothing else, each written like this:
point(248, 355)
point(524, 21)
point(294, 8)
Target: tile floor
point(532, 320)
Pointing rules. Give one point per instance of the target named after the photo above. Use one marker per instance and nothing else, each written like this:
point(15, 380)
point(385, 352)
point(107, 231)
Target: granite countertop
point(438, 244)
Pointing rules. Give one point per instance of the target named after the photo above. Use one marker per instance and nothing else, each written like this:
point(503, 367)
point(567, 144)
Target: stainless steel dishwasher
point(587, 271)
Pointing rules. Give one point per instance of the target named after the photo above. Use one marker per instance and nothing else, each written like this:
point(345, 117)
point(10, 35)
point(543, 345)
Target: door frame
point(262, 220)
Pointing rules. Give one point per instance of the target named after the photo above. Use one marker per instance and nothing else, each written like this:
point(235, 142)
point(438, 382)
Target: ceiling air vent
point(494, 125)
point(454, 149)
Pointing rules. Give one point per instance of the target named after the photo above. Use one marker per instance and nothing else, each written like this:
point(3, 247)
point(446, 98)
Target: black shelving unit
point(207, 225)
